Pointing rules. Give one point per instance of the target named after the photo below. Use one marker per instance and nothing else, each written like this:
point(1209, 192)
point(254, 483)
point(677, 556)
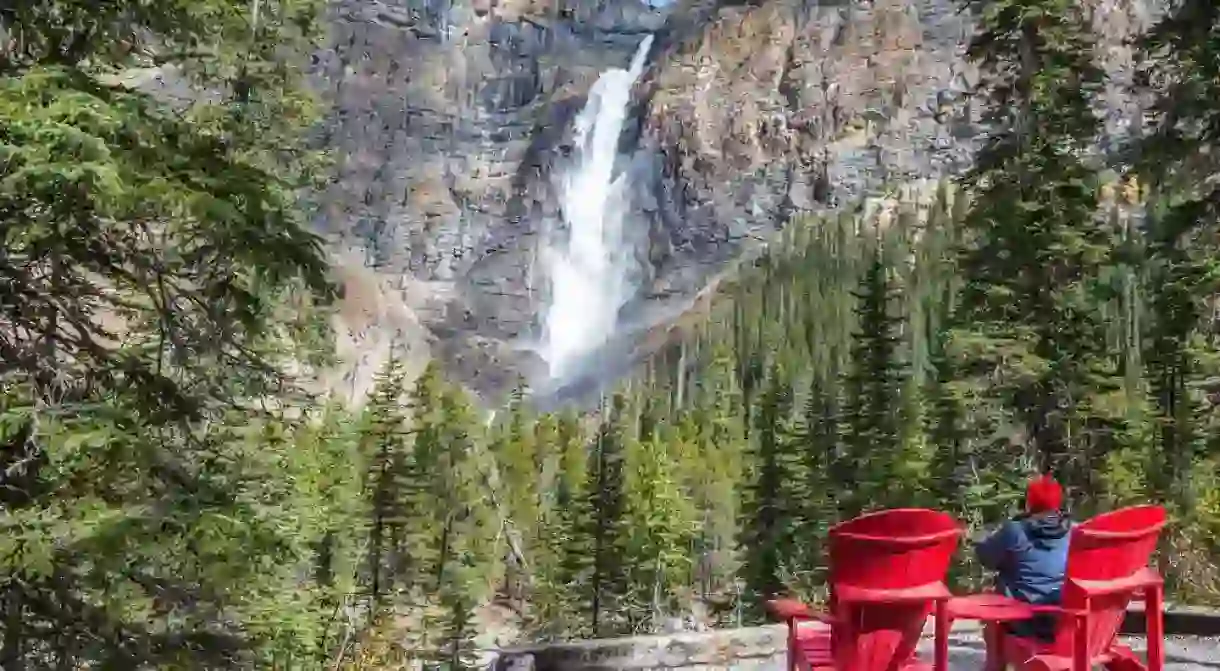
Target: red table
point(992, 608)
point(989, 607)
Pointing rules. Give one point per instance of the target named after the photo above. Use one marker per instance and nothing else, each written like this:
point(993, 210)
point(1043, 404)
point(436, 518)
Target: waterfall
point(592, 268)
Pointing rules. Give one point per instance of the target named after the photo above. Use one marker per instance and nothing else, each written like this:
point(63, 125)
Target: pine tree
point(1033, 243)
point(719, 462)
point(329, 468)
point(466, 525)
point(817, 442)
point(519, 464)
point(1181, 53)
point(429, 484)
point(388, 445)
point(944, 428)
point(547, 596)
point(569, 518)
point(458, 648)
point(604, 508)
point(659, 530)
point(944, 416)
point(872, 421)
point(770, 515)
point(148, 252)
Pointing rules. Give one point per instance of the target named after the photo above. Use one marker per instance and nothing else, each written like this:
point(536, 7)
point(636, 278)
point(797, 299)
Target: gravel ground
point(966, 654)
point(1181, 654)
point(761, 649)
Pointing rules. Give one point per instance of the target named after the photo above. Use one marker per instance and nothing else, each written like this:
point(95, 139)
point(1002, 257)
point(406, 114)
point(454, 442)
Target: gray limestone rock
point(764, 649)
point(451, 119)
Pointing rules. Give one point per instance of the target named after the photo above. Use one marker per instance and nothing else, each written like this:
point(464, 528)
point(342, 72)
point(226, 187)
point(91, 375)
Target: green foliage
point(1180, 248)
point(602, 520)
point(147, 253)
point(563, 545)
point(771, 516)
point(170, 498)
point(660, 529)
point(1033, 243)
point(871, 434)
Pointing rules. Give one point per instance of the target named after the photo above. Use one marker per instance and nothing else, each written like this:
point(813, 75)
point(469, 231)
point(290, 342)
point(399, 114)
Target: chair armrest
point(789, 610)
point(992, 607)
point(1059, 610)
point(1142, 579)
point(786, 609)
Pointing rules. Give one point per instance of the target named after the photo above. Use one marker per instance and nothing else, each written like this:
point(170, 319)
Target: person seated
point(1029, 554)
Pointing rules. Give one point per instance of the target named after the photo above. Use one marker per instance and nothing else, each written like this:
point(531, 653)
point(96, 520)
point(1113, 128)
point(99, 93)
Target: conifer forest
point(171, 498)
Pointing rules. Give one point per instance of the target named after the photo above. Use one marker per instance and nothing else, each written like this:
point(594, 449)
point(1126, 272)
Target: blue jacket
point(1030, 555)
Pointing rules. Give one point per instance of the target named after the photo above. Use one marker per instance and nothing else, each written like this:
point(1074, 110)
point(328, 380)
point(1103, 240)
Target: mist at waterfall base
point(591, 262)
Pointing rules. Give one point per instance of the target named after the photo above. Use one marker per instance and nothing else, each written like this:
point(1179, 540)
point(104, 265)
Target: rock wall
point(450, 118)
point(446, 117)
point(745, 648)
point(764, 649)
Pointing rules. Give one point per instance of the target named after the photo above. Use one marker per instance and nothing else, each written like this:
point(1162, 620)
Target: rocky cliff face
point(451, 120)
point(447, 120)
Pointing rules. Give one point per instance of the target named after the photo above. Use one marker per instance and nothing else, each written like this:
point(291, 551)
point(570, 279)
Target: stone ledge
point(1179, 620)
point(719, 648)
point(755, 647)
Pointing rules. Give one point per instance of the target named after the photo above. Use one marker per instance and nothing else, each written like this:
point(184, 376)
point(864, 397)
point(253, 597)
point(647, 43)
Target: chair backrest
point(893, 549)
point(1104, 555)
point(890, 550)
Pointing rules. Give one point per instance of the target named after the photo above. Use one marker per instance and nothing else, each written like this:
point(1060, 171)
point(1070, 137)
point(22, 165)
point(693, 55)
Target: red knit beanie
point(1043, 495)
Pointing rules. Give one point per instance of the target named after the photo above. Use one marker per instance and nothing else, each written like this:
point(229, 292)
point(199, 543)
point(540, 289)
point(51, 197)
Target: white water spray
point(591, 271)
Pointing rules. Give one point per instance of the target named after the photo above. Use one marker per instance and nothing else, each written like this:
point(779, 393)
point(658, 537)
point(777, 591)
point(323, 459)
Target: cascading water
point(591, 269)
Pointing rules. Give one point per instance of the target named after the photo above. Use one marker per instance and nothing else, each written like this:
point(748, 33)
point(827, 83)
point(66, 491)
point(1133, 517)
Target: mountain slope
point(451, 122)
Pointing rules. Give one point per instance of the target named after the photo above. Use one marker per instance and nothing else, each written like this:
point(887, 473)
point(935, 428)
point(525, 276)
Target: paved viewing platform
point(762, 649)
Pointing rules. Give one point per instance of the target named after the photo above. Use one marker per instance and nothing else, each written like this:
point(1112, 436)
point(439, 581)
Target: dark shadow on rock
point(551, 133)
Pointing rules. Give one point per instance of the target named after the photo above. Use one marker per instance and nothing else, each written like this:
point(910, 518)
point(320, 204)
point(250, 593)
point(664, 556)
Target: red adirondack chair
point(1107, 567)
point(887, 571)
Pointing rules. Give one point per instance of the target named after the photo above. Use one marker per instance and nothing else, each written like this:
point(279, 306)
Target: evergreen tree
point(604, 518)
point(1181, 53)
point(388, 446)
point(944, 429)
point(172, 500)
point(546, 598)
point(429, 485)
point(660, 526)
point(329, 470)
point(719, 468)
point(944, 415)
point(147, 255)
point(458, 650)
point(872, 418)
point(770, 515)
point(468, 524)
point(817, 441)
point(519, 464)
point(1033, 243)
point(568, 523)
